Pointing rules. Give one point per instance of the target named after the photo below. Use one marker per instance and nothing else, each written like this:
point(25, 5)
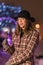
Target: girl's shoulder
point(34, 32)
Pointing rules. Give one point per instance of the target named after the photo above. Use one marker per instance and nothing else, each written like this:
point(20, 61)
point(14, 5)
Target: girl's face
point(22, 22)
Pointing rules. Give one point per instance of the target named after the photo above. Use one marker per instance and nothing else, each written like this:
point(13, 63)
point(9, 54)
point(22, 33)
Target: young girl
point(24, 40)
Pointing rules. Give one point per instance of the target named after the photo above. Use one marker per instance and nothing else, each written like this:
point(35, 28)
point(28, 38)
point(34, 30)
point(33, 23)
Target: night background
point(9, 10)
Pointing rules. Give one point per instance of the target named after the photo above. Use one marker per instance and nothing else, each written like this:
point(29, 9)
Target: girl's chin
point(23, 28)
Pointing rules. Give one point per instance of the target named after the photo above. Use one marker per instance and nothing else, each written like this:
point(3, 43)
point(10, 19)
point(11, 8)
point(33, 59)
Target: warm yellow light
point(37, 26)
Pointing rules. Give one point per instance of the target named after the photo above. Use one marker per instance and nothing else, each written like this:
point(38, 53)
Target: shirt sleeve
point(21, 57)
point(5, 45)
point(7, 48)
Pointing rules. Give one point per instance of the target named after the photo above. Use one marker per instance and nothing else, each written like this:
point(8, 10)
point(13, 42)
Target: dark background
point(35, 7)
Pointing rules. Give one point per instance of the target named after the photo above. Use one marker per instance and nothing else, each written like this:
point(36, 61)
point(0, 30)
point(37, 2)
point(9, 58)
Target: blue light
point(19, 10)
point(3, 18)
point(9, 21)
point(0, 6)
point(9, 10)
point(4, 8)
point(12, 8)
point(0, 10)
point(7, 14)
point(3, 3)
point(3, 24)
point(6, 21)
point(15, 11)
point(0, 23)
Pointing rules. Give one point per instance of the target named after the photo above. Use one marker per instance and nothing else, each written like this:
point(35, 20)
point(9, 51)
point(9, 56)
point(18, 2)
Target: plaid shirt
point(24, 49)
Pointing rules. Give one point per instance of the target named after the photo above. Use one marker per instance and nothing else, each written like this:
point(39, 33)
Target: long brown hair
point(28, 27)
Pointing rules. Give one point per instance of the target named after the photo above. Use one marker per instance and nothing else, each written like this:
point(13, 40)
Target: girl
point(24, 40)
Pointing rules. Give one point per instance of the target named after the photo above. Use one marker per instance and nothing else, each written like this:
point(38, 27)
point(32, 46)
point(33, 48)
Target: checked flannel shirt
point(24, 49)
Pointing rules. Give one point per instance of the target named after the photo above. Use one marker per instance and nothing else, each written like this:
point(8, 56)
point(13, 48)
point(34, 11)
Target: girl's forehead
point(21, 18)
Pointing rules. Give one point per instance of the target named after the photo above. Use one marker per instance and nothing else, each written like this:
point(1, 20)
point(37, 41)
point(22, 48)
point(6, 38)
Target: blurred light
point(19, 11)
point(7, 13)
point(2, 3)
point(12, 8)
point(0, 23)
point(3, 18)
point(4, 6)
point(15, 11)
point(0, 19)
point(0, 6)
point(6, 21)
point(3, 24)
point(9, 41)
point(9, 21)
point(6, 29)
point(37, 26)
point(13, 29)
point(0, 10)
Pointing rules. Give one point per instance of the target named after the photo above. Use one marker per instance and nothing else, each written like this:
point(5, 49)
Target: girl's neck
point(25, 31)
